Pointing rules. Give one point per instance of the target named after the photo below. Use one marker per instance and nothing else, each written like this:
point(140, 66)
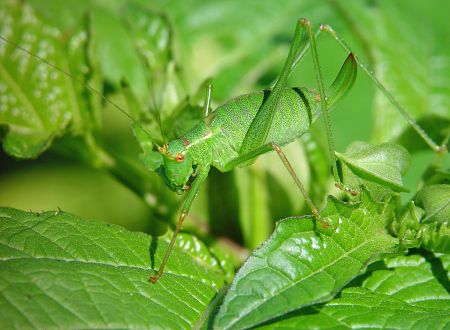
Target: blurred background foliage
point(240, 47)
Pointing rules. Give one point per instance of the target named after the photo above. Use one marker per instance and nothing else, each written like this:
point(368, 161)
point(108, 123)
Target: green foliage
point(388, 298)
point(40, 103)
point(435, 199)
point(384, 164)
point(296, 267)
point(59, 270)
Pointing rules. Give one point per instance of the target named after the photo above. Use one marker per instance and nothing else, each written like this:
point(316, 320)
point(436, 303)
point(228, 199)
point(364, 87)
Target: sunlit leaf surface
point(37, 102)
point(404, 296)
point(297, 267)
point(59, 271)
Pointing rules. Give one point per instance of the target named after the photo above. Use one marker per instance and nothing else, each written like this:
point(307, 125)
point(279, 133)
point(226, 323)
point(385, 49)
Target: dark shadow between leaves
point(152, 250)
point(315, 309)
point(437, 268)
point(207, 318)
point(224, 206)
point(279, 199)
point(358, 281)
point(435, 126)
point(309, 310)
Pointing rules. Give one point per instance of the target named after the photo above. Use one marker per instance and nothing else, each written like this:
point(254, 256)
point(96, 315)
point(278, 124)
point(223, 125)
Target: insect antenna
point(156, 114)
point(86, 85)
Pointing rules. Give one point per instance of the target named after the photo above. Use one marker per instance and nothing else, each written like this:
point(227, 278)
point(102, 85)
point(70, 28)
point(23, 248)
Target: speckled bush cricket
point(250, 125)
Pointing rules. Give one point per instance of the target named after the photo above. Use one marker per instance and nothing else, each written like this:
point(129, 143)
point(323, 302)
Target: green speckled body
point(218, 139)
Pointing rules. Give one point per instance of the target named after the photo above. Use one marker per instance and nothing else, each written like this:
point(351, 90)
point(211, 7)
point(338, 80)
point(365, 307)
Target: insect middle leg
point(273, 146)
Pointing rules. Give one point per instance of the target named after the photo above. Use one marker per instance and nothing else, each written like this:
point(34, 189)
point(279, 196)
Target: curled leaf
point(435, 199)
point(382, 164)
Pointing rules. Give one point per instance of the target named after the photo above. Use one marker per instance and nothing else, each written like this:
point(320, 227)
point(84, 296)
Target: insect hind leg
point(440, 149)
point(323, 100)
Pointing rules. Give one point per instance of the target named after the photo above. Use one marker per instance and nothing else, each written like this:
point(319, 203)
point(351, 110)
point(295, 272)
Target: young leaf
point(435, 199)
point(405, 296)
point(434, 231)
point(297, 267)
point(434, 237)
point(383, 164)
point(413, 231)
point(59, 271)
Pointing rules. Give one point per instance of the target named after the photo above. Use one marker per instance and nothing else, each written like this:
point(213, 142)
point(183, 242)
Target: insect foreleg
point(433, 145)
point(272, 146)
point(207, 100)
point(192, 193)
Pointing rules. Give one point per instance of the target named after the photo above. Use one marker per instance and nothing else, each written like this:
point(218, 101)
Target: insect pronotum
point(239, 131)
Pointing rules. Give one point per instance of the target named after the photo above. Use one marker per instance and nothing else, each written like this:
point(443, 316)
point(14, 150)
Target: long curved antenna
point(156, 115)
point(90, 88)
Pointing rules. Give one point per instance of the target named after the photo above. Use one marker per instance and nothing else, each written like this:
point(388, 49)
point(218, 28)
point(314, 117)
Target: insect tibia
point(326, 28)
point(304, 22)
point(442, 149)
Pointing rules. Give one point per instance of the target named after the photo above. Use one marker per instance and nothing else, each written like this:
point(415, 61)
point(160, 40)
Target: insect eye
point(179, 157)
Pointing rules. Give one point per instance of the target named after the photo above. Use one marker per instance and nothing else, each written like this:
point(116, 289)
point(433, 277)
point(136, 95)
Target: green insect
point(236, 133)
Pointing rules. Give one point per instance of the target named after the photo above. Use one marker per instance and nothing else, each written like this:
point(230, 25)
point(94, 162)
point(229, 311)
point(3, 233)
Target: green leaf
point(59, 271)
point(434, 231)
point(413, 231)
point(435, 199)
point(383, 164)
point(413, 64)
point(208, 30)
point(151, 159)
point(407, 295)
point(434, 237)
point(38, 102)
point(115, 52)
point(445, 259)
point(297, 267)
point(152, 37)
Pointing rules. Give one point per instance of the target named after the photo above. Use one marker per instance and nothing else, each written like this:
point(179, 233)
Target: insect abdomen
point(232, 120)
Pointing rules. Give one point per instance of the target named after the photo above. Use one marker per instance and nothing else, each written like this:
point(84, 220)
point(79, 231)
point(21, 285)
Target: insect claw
point(325, 226)
point(326, 28)
point(304, 22)
point(441, 149)
point(346, 189)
